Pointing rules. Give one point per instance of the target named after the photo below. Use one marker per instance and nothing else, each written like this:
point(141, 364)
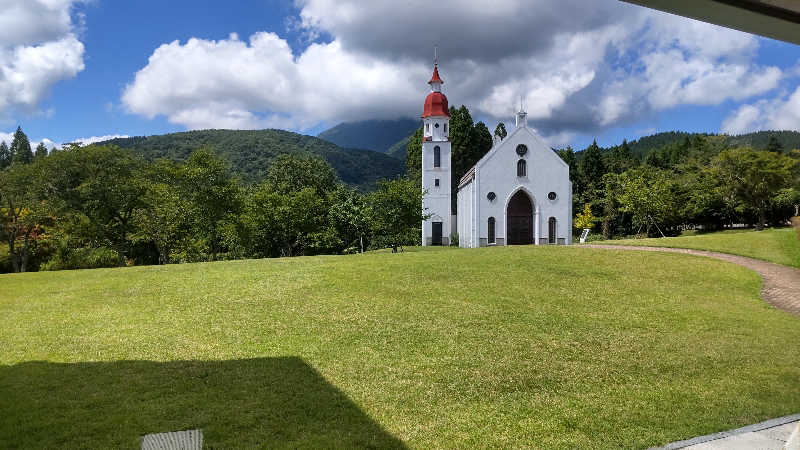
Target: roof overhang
point(777, 19)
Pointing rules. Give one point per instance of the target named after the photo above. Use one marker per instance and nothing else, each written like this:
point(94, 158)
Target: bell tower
point(436, 167)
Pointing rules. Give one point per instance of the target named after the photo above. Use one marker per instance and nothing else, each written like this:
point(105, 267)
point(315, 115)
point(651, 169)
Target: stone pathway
point(781, 287)
point(775, 434)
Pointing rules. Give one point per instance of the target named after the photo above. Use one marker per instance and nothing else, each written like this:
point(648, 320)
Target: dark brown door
point(519, 229)
point(437, 233)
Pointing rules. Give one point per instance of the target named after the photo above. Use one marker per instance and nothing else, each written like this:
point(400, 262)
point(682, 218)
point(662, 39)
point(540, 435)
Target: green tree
point(5, 155)
point(482, 140)
point(584, 220)
point(774, 145)
point(292, 173)
point(753, 178)
point(21, 152)
point(500, 131)
point(41, 151)
point(165, 216)
point(591, 170)
point(23, 214)
point(414, 156)
point(396, 214)
point(648, 194)
point(349, 215)
point(214, 194)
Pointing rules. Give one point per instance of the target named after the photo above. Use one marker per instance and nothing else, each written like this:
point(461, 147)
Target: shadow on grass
point(266, 402)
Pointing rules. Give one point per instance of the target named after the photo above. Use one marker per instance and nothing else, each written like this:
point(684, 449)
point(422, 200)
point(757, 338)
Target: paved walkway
point(781, 287)
point(775, 434)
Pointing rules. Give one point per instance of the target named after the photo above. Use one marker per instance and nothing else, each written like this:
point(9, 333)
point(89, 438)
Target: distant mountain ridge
point(251, 152)
point(377, 135)
point(758, 140)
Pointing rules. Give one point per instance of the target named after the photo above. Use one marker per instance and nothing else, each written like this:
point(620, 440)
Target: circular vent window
point(491, 196)
point(436, 125)
point(522, 149)
point(552, 196)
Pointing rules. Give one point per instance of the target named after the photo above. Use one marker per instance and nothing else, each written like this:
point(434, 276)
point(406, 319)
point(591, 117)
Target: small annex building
point(519, 193)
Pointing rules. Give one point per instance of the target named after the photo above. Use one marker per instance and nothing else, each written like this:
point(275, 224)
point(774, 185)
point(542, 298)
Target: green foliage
point(753, 178)
point(290, 173)
point(396, 214)
point(214, 195)
point(20, 149)
point(591, 169)
point(82, 258)
point(41, 151)
point(250, 153)
point(649, 196)
point(5, 155)
point(500, 130)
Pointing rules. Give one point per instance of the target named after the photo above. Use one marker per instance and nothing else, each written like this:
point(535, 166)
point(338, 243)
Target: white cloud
point(779, 113)
point(579, 66)
point(38, 48)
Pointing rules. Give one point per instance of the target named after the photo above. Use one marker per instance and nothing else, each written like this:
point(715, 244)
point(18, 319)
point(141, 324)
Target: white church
point(519, 193)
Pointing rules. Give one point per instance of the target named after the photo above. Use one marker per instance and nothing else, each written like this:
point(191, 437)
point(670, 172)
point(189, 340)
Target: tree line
point(101, 206)
point(691, 183)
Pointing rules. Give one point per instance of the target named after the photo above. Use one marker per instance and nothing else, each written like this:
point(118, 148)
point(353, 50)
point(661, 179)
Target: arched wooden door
point(519, 220)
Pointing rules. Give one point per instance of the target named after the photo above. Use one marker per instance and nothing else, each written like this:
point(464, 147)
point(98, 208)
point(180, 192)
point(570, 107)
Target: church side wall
point(465, 216)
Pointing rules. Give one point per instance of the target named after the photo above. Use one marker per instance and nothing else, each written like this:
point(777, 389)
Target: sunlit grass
point(780, 245)
point(552, 347)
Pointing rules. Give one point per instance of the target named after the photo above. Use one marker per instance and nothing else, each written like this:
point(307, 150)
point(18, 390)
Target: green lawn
point(779, 245)
point(550, 347)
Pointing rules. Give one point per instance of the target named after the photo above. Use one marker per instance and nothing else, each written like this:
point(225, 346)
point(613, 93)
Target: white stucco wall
point(465, 231)
point(436, 199)
point(497, 172)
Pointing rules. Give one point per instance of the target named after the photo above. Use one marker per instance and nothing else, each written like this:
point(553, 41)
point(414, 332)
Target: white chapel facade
point(519, 193)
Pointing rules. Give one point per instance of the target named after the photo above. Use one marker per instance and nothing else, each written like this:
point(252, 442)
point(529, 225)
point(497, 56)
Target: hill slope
point(364, 350)
point(378, 135)
point(250, 152)
point(642, 146)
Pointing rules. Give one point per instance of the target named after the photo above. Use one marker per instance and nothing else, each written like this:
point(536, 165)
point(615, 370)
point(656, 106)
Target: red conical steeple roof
point(436, 78)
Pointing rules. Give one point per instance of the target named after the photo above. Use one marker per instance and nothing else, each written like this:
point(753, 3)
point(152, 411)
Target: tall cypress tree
point(21, 152)
point(774, 145)
point(41, 151)
point(592, 168)
point(500, 131)
point(5, 155)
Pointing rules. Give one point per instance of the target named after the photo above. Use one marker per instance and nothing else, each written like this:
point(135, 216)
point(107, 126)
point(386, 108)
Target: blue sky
point(610, 71)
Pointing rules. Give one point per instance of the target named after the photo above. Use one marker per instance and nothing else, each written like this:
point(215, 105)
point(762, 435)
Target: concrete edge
point(794, 440)
point(772, 423)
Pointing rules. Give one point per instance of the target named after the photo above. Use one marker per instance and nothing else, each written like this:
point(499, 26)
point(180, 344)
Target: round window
point(491, 196)
point(436, 125)
point(522, 149)
point(552, 196)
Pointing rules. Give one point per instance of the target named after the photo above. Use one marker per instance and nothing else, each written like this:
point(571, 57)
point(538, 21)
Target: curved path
point(781, 287)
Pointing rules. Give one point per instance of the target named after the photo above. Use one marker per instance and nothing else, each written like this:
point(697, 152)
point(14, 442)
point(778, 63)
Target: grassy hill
point(250, 152)
point(378, 135)
point(558, 347)
point(779, 245)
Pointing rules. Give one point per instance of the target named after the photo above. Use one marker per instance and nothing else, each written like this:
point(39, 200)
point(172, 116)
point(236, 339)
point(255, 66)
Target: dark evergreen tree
point(592, 168)
point(483, 141)
point(5, 155)
point(500, 130)
point(41, 151)
point(774, 145)
point(21, 152)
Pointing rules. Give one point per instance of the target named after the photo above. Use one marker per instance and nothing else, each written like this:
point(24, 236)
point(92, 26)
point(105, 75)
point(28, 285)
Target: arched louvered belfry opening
point(491, 225)
point(519, 219)
point(437, 156)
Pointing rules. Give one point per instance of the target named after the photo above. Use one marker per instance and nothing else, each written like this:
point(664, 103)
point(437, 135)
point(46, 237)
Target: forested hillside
point(378, 135)
point(788, 140)
point(251, 152)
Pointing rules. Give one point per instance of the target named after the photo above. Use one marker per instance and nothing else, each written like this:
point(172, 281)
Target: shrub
point(82, 258)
